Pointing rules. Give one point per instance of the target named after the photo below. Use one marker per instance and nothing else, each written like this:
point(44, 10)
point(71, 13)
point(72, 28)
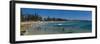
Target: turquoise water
point(67, 27)
point(77, 24)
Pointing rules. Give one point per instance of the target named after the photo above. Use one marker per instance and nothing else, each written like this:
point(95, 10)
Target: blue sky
point(66, 14)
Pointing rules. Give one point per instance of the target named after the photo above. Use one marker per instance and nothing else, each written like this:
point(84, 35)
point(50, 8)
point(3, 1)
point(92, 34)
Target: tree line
point(36, 17)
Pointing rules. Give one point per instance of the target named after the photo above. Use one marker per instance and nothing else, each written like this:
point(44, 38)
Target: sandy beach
point(27, 25)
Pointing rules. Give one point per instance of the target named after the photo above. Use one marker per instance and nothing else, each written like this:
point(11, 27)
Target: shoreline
point(30, 24)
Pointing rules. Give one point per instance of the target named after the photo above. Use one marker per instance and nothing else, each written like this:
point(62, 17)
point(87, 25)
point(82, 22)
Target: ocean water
point(67, 27)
